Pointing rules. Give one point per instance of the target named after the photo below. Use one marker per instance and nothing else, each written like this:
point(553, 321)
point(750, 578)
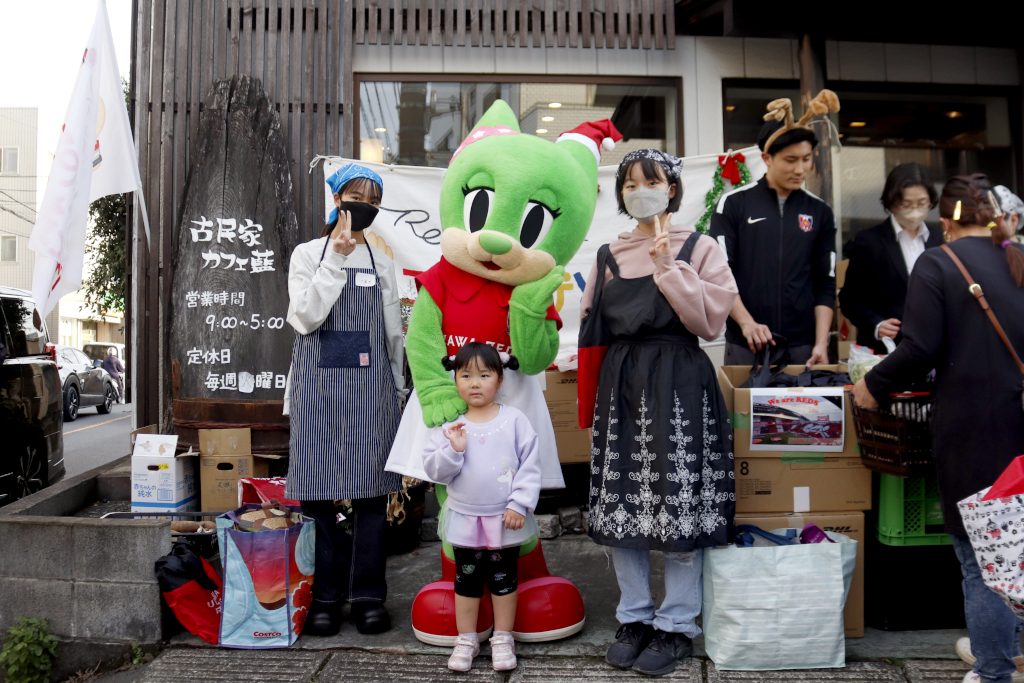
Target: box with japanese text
point(848, 523)
point(560, 393)
point(225, 456)
point(161, 480)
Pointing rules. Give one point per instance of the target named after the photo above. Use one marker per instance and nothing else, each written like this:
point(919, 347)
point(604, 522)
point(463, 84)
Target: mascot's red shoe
point(549, 607)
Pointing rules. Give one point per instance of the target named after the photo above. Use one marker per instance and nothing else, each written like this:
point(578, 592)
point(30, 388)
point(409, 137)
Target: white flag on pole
point(95, 157)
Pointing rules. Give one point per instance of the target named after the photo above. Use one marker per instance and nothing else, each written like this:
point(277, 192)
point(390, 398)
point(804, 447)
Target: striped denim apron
point(344, 406)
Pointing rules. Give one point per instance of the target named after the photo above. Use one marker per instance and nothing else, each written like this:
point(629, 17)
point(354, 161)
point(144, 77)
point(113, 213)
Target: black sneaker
point(661, 655)
point(630, 641)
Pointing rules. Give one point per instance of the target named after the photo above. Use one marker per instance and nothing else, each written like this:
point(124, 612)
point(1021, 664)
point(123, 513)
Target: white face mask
point(911, 217)
point(646, 204)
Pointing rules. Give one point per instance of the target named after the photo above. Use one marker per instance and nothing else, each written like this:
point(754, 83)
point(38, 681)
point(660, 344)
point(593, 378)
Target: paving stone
point(577, 669)
point(366, 667)
point(855, 672)
point(569, 517)
point(548, 526)
point(234, 666)
point(935, 670)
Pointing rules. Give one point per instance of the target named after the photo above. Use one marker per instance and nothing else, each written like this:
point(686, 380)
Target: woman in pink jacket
point(662, 466)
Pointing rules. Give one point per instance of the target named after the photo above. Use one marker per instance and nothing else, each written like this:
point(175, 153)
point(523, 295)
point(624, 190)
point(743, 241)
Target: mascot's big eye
point(537, 220)
point(477, 207)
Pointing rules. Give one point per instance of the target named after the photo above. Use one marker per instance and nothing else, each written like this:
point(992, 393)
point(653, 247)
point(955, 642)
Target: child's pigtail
point(448, 363)
point(512, 363)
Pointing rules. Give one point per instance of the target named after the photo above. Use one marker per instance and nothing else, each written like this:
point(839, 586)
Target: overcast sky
point(40, 54)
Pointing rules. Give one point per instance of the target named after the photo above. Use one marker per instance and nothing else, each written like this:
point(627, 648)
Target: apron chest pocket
point(344, 350)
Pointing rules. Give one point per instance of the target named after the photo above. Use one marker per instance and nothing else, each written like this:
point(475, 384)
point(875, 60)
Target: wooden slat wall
point(297, 48)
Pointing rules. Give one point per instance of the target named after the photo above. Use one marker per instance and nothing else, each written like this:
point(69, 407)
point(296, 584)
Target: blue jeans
point(683, 590)
point(994, 628)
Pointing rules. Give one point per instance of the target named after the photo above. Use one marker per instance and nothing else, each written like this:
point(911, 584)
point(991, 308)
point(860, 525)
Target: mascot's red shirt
point(473, 309)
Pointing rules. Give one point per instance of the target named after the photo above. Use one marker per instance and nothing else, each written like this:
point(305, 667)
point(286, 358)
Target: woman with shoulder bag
point(977, 414)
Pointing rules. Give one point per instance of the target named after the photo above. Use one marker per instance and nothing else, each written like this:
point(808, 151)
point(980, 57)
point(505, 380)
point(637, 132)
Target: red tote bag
point(593, 345)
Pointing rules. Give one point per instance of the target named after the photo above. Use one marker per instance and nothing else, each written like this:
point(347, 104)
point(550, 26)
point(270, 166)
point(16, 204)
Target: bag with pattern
point(994, 521)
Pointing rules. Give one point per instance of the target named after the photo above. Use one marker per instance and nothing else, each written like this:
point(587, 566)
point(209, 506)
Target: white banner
point(409, 228)
point(95, 157)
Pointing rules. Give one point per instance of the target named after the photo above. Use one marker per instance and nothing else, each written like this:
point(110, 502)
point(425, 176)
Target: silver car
point(84, 382)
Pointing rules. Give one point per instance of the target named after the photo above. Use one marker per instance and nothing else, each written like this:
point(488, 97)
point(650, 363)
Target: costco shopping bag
point(192, 590)
point(777, 607)
point(268, 578)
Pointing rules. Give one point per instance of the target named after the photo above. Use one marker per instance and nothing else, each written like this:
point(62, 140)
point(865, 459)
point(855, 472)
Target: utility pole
point(812, 81)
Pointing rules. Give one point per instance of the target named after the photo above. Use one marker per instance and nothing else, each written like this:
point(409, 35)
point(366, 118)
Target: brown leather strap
point(975, 289)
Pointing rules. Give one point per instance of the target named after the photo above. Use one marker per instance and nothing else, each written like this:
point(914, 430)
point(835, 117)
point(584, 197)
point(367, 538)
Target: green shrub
point(28, 654)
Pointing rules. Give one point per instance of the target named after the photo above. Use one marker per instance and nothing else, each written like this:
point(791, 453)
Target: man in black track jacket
point(780, 242)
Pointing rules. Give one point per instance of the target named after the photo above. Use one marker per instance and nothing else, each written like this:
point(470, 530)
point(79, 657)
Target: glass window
point(8, 248)
point(947, 134)
point(25, 336)
point(82, 358)
point(433, 118)
point(9, 160)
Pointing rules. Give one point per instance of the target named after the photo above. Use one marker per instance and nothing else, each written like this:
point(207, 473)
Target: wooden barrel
point(269, 427)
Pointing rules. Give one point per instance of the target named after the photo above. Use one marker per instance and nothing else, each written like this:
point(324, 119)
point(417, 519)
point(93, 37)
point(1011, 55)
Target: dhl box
point(573, 443)
point(162, 481)
point(848, 523)
point(225, 457)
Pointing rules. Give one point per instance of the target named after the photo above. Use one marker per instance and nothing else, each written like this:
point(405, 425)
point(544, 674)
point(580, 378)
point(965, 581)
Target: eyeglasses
point(907, 206)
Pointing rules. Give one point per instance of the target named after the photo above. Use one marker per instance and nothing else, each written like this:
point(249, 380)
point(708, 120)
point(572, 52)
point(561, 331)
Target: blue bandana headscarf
point(346, 173)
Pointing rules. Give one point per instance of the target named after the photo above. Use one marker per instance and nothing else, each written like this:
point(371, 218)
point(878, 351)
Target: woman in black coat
point(882, 257)
point(977, 416)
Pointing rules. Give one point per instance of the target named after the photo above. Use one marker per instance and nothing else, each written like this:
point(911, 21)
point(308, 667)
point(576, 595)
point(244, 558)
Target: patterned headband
point(673, 165)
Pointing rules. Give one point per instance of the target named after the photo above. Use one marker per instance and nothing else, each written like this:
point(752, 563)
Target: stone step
point(855, 672)
point(936, 671)
point(234, 666)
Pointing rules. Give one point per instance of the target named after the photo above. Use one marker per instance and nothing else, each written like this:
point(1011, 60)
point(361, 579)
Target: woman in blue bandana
point(343, 400)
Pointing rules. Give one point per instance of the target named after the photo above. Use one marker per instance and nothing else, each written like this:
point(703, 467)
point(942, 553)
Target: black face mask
point(362, 214)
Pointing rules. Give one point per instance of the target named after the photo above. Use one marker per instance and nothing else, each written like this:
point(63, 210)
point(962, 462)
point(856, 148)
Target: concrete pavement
point(93, 439)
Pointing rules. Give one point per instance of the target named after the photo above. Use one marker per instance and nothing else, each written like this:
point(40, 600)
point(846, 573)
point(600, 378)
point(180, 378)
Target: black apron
point(661, 460)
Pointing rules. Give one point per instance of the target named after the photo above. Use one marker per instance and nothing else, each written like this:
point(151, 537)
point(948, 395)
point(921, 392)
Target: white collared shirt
point(912, 248)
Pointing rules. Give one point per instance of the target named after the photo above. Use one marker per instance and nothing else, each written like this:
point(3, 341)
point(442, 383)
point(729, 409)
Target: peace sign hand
point(341, 236)
point(661, 238)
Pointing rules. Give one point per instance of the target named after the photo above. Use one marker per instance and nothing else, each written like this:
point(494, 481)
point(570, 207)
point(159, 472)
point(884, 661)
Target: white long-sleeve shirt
point(314, 287)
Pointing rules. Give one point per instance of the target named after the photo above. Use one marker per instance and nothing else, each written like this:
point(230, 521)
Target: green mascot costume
point(514, 210)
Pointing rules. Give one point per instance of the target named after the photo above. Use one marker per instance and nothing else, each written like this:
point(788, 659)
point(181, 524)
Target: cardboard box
point(801, 483)
point(573, 443)
point(849, 523)
point(225, 457)
point(162, 481)
point(737, 401)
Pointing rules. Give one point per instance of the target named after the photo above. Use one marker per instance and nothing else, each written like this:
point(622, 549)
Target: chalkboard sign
point(230, 284)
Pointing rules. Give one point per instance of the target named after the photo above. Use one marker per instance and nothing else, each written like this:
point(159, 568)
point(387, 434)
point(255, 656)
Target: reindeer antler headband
point(782, 110)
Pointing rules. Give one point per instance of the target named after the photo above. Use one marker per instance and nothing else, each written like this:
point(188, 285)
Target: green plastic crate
point(910, 512)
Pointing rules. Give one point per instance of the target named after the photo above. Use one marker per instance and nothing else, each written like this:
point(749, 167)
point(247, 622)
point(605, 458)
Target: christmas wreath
point(732, 167)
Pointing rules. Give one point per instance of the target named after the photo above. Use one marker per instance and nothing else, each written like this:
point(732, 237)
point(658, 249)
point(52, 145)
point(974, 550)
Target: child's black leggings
point(475, 567)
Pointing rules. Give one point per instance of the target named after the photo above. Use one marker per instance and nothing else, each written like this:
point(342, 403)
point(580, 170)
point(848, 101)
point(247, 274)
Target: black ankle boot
point(323, 619)
point(371, 617)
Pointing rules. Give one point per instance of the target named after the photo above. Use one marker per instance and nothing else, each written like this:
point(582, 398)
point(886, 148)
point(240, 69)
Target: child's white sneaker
point(466, 649)
point(503, 651)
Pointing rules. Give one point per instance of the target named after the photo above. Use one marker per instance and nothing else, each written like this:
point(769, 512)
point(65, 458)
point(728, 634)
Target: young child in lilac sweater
point(489, 460)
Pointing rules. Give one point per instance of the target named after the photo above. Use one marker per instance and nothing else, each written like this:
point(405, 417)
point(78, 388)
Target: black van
point(31, 415)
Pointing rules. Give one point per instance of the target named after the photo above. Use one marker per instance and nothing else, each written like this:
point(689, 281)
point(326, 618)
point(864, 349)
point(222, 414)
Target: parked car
point(85, 382)
point(31, 398)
